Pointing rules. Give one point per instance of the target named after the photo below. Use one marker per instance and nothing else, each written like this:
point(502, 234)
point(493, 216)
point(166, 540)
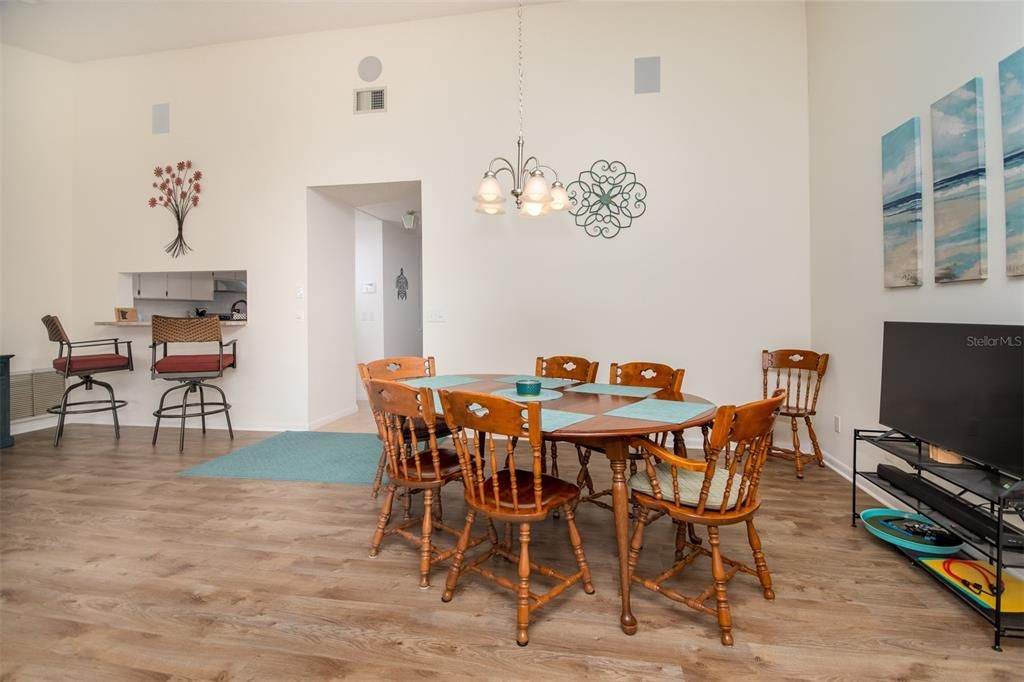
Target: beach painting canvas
point(958, 167)
point(1011, 95)
point(901, 204)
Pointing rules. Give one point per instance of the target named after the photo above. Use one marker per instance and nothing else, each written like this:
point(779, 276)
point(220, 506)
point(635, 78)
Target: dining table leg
point(616, 450)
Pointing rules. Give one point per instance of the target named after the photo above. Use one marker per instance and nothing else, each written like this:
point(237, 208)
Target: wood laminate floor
point(113, 567)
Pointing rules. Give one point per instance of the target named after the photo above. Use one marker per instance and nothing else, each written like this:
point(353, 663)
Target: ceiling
point(85, 29)
point(386, 201)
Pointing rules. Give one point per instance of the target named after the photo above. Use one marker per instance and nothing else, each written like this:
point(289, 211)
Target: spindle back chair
point(644, 374)
point(572, 367)
point(722, 490)
point(507, 485)
point(799, 373)
point(397, 369)
point(415, 463)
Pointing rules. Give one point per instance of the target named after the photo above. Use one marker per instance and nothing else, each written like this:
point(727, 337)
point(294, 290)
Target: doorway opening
point(365, 255)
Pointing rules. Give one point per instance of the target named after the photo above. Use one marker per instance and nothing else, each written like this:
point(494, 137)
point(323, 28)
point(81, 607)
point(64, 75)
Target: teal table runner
point(442, 381)
point(545, 382)
point(670, 411)
point(615, 389)
point(511, 394)
point(552, 420)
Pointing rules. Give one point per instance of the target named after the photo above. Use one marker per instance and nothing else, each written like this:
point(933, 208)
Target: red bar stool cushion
point(83, 364)
point(182, 364)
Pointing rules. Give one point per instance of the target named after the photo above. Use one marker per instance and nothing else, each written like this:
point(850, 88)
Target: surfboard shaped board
point(976, 579)
point(909, 531)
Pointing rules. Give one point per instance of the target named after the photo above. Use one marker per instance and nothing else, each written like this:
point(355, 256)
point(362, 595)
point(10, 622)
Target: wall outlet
point(369, 287)
point(837, 424)
point(300, 293)
point(436, 317)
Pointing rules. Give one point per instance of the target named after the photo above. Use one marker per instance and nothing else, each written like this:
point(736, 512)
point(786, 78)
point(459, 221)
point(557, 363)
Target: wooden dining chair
point(506, 489)
point(720, 491)
point(800, 373)
point(570, 367)
point(414, 463)
point(644, 374)
point(397, 369)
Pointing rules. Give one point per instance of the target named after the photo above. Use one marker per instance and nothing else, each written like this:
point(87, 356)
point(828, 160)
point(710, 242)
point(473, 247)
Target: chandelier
point(530, 190)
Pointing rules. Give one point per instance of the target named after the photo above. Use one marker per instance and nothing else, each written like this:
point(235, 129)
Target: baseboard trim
point(29, 424)
point(340, 414)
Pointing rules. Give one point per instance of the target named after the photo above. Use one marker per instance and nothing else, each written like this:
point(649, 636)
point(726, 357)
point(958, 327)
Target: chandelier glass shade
point(531, 193)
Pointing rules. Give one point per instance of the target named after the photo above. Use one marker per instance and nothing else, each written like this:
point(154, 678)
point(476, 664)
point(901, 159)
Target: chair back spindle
point(398, 410)
point(475, 419)
point(798, 372)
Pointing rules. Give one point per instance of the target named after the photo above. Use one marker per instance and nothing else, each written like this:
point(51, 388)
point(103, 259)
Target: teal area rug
point(300, 456)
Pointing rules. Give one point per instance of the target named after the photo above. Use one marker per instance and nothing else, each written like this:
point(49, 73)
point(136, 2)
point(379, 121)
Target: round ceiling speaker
point(370, 68)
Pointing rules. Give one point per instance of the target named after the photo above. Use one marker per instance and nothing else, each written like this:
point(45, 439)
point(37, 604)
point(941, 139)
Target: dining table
point(602, 417)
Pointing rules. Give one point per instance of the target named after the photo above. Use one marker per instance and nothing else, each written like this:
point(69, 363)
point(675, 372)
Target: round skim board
point(910, 531)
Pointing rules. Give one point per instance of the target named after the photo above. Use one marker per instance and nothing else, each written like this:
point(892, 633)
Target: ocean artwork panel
point(958, 169)
point(1011, 95)
point(901, 205)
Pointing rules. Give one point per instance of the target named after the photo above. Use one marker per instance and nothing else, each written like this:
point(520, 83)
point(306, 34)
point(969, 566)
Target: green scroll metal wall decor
point(606, 199)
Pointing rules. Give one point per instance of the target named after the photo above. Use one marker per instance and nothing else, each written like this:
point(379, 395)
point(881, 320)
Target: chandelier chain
point(519, 14)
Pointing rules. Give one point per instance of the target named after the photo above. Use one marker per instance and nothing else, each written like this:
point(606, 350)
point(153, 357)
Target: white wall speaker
point(646, 75)
point(161, 119)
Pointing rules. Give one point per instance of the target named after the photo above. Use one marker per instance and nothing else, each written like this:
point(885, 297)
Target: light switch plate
point(369, 288)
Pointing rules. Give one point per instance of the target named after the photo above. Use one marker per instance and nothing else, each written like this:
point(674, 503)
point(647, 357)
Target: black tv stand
point(981, 525)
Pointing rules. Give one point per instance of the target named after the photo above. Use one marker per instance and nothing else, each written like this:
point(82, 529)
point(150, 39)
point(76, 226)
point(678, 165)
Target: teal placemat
point(511, 394)
point(443, 381)
point(615, 389)
point(552, 420)
point(545, 382)
point(300, 456)
point(655, 410)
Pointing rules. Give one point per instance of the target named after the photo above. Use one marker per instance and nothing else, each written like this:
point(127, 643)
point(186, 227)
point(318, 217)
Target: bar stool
point(85, 366)
point(191, 370)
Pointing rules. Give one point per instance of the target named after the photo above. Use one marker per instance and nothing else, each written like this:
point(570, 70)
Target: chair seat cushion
point(183, 364)
point(449, 465)
point(554, 491)
point(690, 483)
point(101, 362)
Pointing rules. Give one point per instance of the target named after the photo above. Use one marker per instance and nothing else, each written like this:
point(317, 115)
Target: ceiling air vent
point(370, 101)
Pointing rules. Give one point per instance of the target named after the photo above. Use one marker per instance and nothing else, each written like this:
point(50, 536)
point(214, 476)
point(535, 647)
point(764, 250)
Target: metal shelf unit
point(1000, 493)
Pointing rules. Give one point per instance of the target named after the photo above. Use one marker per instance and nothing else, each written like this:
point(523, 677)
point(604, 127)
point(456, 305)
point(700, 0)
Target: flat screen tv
point(957, 386)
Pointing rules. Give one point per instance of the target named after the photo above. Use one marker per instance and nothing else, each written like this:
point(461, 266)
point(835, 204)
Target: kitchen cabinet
point(202, 286)
point(151, 285)
point(180, 286)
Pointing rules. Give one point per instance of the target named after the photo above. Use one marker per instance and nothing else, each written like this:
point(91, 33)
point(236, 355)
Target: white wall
point(872, 66)
point(718, 267)
point(37, 203)
point(369, 307)
point(330, 307)
point(403, 318)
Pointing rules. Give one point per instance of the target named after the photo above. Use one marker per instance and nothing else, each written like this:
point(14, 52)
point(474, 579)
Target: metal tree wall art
point(178, 188)
point(402, 284)
point(606, 199)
